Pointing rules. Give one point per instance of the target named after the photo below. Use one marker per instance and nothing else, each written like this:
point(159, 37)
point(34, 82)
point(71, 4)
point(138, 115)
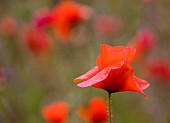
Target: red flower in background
point(144, 41)
point(36, 40)
point(113, 72)
point(96, 112)
point(159, 68)
point(64, 17)
point(56, 112)
point(8, 26)
point(108, 25)
point(42, 17)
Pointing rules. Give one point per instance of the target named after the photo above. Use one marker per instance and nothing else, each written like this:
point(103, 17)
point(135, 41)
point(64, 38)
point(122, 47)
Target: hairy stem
point(109, 108)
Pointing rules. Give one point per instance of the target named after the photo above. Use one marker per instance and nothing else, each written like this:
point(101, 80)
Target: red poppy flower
point(8, 26)
point(144, 41)
point(159, 68)
point(64, 17)
point(56, 112)
point(96, 112)
point(36, 40)
point(113, 72)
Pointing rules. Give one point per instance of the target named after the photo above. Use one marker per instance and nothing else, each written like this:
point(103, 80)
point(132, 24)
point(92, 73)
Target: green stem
point(109, 108)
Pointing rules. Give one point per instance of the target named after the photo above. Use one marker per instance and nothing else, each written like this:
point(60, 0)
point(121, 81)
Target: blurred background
point(40, 55)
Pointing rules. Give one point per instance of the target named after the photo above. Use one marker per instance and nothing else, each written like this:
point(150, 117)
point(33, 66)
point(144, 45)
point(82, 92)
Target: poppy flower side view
point(113, 72)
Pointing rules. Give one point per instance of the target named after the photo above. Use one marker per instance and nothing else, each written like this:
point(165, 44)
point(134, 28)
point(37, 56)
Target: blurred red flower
point(64, 17)
point(144, 41)
point(96, 112)
point(159, 68)
point(42, 17)
point(108, 25)
point(56, 112)
point(113, 72)
point(8, 26)
point(36, 40)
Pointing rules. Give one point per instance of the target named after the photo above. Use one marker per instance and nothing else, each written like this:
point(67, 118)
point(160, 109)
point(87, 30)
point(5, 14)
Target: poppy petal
point(100, 76)
point(122, 79)
point(142, 84)
point(110, 55)
point(132, 83)
point(87, 75)
point(97, 78)
point(136, 85)
point(131, 54)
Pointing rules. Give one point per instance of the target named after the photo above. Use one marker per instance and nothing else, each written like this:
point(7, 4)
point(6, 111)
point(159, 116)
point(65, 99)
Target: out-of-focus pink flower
point(42, 17)
point(8, 26)
point(144, 41)
point(64, 16)
point(108, 25)
point(36, 40)
point(96, 112)
point(56, 112)
point(149, 1)
point(159, 68)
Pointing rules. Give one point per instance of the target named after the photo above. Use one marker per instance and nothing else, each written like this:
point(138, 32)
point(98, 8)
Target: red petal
point(87, 75)
point(141, 84)
point(134, 84)
point(100, 76)
point(131, 54)
point(122, 79)
point(110, 55)
point(97, 78)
